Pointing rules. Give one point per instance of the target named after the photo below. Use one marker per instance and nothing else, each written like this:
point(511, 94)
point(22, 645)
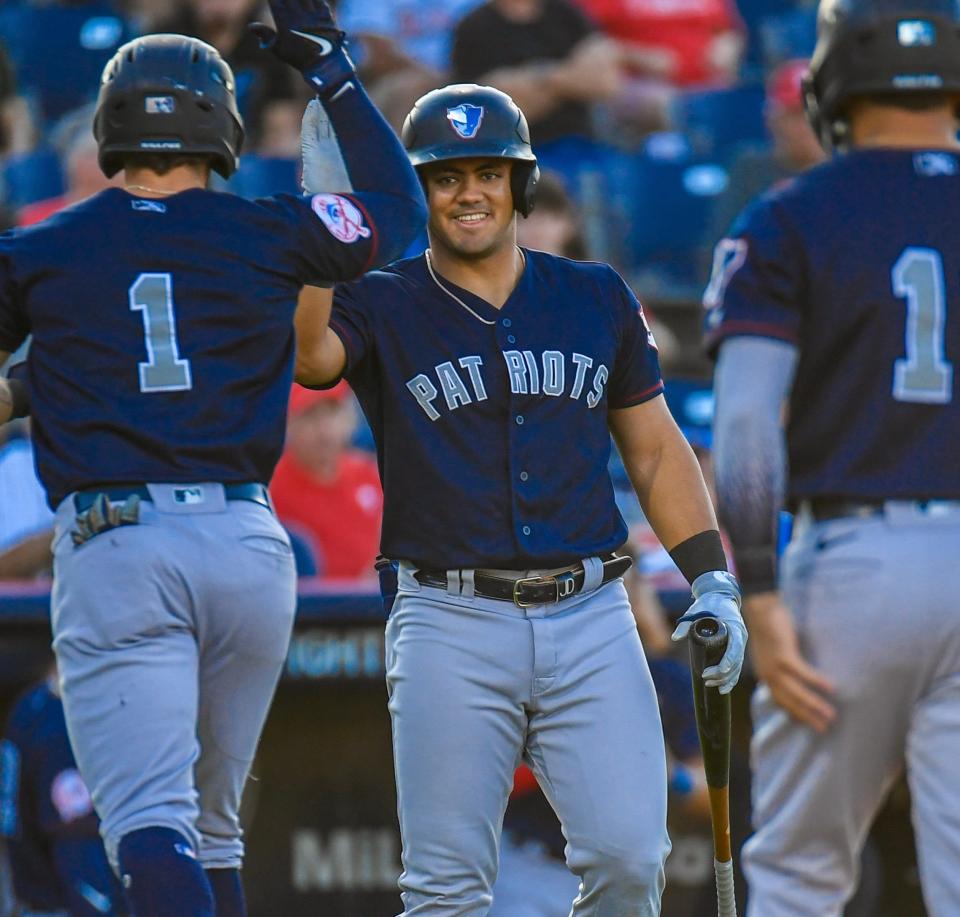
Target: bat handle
point(726, 899)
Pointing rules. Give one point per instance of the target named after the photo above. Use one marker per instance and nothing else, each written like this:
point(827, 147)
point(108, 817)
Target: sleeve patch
point(70, 796)
point(342, 217)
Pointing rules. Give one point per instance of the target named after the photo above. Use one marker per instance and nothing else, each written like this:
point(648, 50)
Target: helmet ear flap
point(523, 185)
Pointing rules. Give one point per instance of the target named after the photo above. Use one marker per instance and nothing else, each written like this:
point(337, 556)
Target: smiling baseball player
point(492, 377)
point(161, 363)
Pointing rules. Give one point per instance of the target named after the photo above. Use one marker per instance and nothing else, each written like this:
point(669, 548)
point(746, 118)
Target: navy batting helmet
point(168, 94)
point(467, 120)
point(879, 48)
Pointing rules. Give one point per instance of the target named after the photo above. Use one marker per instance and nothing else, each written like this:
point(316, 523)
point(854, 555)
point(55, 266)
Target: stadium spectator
point(546, 54)
point(83, 175)
point(794, 148)
point(666, 45)
point(325, 491)
point(56, 857)
point(261, 78)
point(554, 225)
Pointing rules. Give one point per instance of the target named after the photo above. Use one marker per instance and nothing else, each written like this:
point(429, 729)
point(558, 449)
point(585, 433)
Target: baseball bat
point(708, 642)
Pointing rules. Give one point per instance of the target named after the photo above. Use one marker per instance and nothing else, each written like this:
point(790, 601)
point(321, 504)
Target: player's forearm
point(14, 400)
point(752, 380)
point(320, 355)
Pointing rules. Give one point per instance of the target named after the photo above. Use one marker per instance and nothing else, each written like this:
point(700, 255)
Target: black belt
point(825, 508)
point(525, 591)
point(255, 493)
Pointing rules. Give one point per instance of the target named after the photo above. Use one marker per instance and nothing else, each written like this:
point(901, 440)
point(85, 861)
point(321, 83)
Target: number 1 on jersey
point(164, 371)
point(924, 375)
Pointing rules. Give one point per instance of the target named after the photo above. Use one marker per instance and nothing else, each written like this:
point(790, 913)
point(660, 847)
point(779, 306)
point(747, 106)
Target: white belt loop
point(466, 584)
point(592, 573)
point(453, 582)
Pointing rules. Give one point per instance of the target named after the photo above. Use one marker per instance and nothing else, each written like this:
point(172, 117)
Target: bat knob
point(710, 629)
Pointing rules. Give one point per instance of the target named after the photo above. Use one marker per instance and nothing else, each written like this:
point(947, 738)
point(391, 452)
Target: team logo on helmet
point(341, 216)
point(466, 119)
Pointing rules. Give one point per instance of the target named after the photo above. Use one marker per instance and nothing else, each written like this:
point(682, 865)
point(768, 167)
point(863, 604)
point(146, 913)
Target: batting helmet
point(467, 120)
point(879, 47)
point(168, 94)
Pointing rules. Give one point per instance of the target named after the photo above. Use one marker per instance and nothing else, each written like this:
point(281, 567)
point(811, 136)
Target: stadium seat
point(718, 121)
point(31, 177)
point(260, 177)
point(790, 34)
point(59, 50)
point(670, 202)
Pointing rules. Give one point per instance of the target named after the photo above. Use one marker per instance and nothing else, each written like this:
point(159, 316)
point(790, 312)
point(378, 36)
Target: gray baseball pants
point(876, 608)
point(170, 636)
point(475, 684)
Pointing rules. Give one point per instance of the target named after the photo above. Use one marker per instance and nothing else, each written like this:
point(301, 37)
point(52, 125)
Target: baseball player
point(161, 363)
point(492, 377)
point(838, 295)
point(56, 854)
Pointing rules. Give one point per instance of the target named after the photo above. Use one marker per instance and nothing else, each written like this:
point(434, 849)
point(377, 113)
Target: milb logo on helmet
point(466, 119)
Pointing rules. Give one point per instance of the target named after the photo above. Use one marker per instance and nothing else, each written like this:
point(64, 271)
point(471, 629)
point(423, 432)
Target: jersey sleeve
point(757, 283)
point(333, 235)
point(14, 327)
point(635, 377)
point(351, 321)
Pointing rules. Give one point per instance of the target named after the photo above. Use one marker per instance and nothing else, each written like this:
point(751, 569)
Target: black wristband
point(756, 569)
point(700, 554)
point(20, 398)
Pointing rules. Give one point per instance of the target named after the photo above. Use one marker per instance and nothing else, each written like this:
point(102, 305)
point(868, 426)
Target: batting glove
point(308, 40)
point(717, 595)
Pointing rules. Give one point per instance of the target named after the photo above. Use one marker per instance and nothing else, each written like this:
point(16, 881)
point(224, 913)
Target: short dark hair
point(162, 163)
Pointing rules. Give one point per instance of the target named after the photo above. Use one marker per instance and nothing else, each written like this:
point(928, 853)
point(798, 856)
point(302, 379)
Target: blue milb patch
point(913, 33)
point(466, 119)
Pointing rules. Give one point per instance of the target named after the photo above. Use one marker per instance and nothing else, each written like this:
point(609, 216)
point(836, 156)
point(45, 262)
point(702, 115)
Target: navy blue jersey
point(46, 814)
point(491, 424)
point(857, 262)
point(162, 329)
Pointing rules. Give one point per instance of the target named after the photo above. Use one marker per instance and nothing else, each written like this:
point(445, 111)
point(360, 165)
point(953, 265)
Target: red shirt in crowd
point(685, 27)
point(340, 516)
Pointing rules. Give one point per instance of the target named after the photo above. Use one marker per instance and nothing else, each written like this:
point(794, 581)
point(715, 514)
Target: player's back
point(858, 261)
point(163, 338)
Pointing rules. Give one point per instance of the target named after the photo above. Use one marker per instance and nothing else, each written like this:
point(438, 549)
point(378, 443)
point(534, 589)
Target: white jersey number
point(164, 370)
point(923, 375)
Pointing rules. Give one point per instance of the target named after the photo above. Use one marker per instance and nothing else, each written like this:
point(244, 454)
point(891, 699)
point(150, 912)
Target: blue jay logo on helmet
point(466, 119)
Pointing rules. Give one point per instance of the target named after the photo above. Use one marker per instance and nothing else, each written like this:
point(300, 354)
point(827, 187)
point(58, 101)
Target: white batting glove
point(717, 595)
point(323, 166)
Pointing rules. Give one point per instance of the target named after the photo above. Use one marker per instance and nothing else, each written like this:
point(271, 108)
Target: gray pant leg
point(244, 641)
point(123, 637)
point(596, 746)
point(457, 677)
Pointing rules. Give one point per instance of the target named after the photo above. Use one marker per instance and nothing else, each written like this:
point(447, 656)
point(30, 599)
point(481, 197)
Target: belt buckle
point(564, 584)
point(532, 580)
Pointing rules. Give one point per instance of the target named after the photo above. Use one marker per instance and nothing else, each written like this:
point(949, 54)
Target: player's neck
point(147, 183)
point(492, 278)
point(874, 125)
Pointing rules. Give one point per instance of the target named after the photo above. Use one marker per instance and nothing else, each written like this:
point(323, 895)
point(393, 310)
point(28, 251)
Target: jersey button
point(511, 339)
point(526, 530)
point(520, 419)
point(524, 476)
point(506, 323)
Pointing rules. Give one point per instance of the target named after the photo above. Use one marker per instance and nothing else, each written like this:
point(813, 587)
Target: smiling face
point(471, 206)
